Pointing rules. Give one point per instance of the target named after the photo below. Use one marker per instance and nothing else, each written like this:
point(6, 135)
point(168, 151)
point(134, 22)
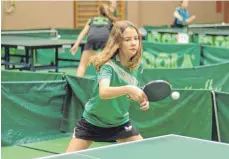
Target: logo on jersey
point(128, 128)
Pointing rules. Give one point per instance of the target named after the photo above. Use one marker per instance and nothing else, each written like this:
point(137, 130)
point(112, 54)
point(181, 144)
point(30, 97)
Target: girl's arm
point(107, 92)
point(178, 16)
point(85, 30)
point(83, 33)
point(189, 20)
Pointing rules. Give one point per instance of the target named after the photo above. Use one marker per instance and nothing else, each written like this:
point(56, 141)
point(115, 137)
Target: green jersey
point(116, 13)
point(100, 28)
point(111, 112)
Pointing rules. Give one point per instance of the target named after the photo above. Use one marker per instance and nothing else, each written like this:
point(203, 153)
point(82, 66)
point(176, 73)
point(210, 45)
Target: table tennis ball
point(59, 36)
point(175, 95)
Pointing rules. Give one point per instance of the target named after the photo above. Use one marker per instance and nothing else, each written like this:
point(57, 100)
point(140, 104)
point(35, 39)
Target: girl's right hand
point(136, 94)
point(74, 49)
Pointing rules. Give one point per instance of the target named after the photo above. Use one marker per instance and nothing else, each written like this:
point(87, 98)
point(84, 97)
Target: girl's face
point(130, 43)
point(184, 4)
point(113, 3)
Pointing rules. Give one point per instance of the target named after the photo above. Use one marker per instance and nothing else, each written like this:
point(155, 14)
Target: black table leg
point(7, 57)
point(26, 55)
point(31, 52)
point(56, 59)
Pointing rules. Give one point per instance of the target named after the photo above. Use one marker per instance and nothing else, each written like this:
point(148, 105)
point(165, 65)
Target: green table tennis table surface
point(163, 147)
point(33, 41)
point(213, 25)
point(211, 32)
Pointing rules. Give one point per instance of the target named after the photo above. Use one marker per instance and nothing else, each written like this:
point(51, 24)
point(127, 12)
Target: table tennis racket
point(157, 90)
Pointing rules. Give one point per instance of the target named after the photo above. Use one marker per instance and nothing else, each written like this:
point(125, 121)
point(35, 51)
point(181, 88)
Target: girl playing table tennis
point(98, 30)
point(181, 15)
point(106, 116)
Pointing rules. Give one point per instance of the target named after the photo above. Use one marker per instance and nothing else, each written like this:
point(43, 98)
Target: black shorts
point(95, 45)
point(86, 131)
point(177, 26)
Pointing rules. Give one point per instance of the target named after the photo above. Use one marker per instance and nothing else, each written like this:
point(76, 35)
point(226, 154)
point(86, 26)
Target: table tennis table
point(209, 29)
point(212, 32)
point(216, 25)
point(162, 147)
point(30, 45)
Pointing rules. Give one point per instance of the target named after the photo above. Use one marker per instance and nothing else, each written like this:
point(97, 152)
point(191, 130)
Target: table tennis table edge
point(115, 145)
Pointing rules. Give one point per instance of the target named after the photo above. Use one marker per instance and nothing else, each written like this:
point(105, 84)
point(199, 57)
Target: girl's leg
point(132, 138)
point(84, 62)
point(78, 144)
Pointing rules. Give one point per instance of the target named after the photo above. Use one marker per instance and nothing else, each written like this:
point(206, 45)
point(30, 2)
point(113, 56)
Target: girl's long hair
point(103, 9)
point(112, 46)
